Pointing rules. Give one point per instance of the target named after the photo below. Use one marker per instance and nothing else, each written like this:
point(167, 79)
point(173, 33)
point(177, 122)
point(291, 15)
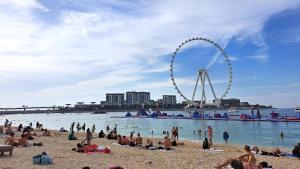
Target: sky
point(65, 51)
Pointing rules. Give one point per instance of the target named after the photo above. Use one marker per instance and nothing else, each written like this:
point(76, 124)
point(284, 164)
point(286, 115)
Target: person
point(173, 133)
point(120, 140)
point(6, 123)
point(247, 159)
point(167, 143)
point(88, 136)
point(72, 136)
point(101, 134)
point(23, 142)
point(80, 148)
point(46, 133)
point(62, 129)
point(37, 125)
point(131, 136)
point(93, 128)
point(8, 131)
point(281, 135)
point(263, 164)
point(125, 141)
point(27, 129)
point(20, 127)
point(78, 127)
point(1, 130)
point(149, 143)
point(139, 140)
point(225, 136)
point(11, 140)
point(72, 126)
point(199, 131)
point(205, 144)
point(176, 133)
point(30, 124)
point(210, 135)
point(107, 128)
point(296, 150)
point(83, 127)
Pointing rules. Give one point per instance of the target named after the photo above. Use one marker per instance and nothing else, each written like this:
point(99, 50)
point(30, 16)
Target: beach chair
point(6, 148)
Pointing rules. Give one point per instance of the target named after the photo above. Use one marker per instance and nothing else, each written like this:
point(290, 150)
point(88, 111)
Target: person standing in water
point(107, 128)
point(281, 135)
point(93, 128)
point(225, 136)
point(210, 135)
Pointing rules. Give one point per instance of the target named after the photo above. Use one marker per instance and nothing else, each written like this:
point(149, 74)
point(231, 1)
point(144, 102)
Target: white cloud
point(262, 58)
point(87, 53)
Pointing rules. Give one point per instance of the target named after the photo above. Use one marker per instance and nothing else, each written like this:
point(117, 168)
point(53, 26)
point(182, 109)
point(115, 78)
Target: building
point(245, 104)
point(114, 99)
point(137, 98)
point(230, 102)
point(169, 99)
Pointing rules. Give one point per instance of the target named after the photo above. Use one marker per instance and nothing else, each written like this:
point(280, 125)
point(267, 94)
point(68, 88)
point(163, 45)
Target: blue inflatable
point(128, 114)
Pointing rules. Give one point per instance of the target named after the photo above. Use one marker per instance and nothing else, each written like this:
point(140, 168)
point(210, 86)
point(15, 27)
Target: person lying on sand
point(236, 164)
point(247, 159)
point(276, 152)
point(11, 140)
point(80, 148)
point(23, 142)
point(46, 133)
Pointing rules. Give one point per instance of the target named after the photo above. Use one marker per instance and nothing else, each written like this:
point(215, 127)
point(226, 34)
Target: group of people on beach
point(26, 134)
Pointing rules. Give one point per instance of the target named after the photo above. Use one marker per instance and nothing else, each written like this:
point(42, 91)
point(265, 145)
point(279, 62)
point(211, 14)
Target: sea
point(265, 134)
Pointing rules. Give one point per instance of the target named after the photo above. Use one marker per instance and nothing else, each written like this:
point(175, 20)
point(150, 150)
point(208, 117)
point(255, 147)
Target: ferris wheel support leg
point(203, 89)
point(194, 92)
point(211, 87)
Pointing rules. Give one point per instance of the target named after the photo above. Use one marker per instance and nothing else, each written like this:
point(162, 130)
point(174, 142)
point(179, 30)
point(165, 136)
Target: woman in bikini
point(248, 160)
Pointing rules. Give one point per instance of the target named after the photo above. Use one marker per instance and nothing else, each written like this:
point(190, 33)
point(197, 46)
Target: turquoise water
point(241, 132)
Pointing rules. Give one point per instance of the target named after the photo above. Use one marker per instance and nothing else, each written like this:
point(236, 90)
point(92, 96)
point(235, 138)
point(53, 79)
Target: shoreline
point(189, 155)
point(107, 111)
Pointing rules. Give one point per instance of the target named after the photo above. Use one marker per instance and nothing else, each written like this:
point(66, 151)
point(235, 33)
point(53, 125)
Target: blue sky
point(64, 51)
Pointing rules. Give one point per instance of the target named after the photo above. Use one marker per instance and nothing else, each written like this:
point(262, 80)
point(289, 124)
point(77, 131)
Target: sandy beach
point(187, 156)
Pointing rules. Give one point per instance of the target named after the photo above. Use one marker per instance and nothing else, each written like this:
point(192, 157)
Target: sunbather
point(72, 136)
point(23, 142)
point(296, 150)
point(149, 143)
point(247, 159)
point(120, 140)
point(139, 140)
point(11, 140)
point(101, 134)
point(167, 143)
point(46, 133)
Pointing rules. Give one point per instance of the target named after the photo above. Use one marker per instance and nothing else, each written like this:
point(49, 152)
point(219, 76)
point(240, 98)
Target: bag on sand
point(42, 159)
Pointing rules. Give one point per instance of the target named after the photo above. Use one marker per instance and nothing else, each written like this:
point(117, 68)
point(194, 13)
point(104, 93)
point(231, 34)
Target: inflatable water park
point(201, 115)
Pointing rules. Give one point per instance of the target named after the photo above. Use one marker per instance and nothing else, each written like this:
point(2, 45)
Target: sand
point(188, 156)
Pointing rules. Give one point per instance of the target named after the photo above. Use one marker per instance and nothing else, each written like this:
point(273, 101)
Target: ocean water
point(240, 132)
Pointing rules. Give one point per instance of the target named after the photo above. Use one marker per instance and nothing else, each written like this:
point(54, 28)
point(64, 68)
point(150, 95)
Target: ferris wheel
point(202, 75)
